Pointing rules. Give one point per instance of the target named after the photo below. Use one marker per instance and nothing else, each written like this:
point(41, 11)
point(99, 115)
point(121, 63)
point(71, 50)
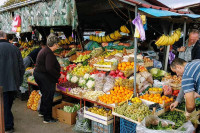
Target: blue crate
point(100, 128)
point(127, 126)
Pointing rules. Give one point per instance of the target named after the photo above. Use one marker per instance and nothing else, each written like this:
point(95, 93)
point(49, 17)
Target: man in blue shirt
point(190, 73)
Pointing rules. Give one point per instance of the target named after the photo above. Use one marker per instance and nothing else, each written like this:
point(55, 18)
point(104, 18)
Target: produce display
point(81, 70)
point(175, 116)
point(82, 58)
point(27, 51)
point(181, 106)
point(134, 111)
point(104, 74)
point(70, 109)
point(33, 100)
point(155, 90)
point(136, 100)
point(157, 98)
point(160, 126)
point(127, 83)
point(100, 111)
point(93, 95)
point(117, 95)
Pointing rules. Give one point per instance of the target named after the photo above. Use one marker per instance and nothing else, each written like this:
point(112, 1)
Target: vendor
point(190, 73)
point(191, 50)
point(30, 59)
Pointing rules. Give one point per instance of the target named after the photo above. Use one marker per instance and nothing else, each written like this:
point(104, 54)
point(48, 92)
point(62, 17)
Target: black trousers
point(47, 89)
point(8, 98)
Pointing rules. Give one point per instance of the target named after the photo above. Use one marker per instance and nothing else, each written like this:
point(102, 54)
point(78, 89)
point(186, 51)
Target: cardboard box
point(62, 116)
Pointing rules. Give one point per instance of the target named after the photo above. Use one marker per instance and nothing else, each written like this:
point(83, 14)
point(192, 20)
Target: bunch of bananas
point(26, 44)
point(166, 40)
point(109, 38)
point(124, 29)
point(66, 41)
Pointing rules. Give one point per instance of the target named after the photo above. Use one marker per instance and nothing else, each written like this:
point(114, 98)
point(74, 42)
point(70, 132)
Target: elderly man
point(11, 76)
point(192, 49)
point(190, 85)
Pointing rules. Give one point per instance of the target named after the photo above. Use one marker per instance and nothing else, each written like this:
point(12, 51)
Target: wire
point(116, 11)
point(154, 29)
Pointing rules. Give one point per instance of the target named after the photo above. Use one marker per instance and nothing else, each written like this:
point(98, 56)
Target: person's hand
point(196, 95)
point(62, 76)
point(181, 49)
point(174, 105)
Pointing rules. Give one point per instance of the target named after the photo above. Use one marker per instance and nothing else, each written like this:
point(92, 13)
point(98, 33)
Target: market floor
point(28, 121)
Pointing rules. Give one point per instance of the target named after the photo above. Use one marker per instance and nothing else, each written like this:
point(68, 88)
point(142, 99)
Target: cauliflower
point(90, 84)
point(81, 82)
point(86, 76)
point(74, 79)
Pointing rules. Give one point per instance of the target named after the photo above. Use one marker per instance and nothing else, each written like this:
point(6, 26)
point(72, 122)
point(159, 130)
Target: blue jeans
point(8, 98)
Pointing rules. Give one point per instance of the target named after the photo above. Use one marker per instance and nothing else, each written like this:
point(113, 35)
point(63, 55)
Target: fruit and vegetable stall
point(104, 77)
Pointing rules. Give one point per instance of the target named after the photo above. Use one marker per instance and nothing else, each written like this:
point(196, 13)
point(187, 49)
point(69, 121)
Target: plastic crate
point(127, 126)
point(100, 128)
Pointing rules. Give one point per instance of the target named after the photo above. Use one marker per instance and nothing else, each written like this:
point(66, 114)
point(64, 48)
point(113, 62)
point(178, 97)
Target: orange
point(119, 65)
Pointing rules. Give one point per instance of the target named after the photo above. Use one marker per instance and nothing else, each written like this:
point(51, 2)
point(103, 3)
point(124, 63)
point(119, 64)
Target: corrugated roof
point(175, 4)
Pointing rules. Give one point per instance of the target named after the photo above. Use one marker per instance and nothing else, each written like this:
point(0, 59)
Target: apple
point(117, 71)
point(121, 74)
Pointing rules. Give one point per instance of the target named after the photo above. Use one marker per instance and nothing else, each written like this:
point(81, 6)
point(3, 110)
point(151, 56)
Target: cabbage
point(161, 73)
point(154, 71)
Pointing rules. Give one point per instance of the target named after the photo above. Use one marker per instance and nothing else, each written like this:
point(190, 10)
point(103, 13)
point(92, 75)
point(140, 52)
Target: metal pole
point(184, 34)
point(135, 51)
point(168, 47)
point(2, 125)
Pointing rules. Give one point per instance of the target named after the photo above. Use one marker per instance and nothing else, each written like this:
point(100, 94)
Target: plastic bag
point(141, 128)
point(157, 64)
point(167, 90)
point(110, 82)
point(99, 81)
point(82, 124)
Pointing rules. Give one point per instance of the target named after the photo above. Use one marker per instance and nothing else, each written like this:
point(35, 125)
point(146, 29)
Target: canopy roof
point(164, 13)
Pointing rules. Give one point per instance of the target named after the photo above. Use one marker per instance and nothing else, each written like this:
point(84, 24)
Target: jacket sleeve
point(196, 51)
point(50, 64)
point(21, 67)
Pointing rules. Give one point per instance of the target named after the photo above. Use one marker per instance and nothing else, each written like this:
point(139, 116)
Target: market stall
point(112, 74)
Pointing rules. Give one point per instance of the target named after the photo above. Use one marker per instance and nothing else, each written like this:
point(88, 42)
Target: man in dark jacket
point(30, 59)
point(191, 50)
point(11, 76)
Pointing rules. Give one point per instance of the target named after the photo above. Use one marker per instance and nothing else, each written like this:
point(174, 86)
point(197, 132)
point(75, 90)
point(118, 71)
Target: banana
point(176, 36)
point(127, 30)
point(67, 41)
point(173, 40)
point(170, 40)
point(70, 39)
point(91, 37)
point(158, 42)
point(166, 40)
point(103, 39)
point(122, 29)
point(117, 34)
point(112, 36)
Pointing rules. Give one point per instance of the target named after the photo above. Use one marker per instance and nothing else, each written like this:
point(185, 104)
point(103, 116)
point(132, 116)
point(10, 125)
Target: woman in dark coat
point(46, 74)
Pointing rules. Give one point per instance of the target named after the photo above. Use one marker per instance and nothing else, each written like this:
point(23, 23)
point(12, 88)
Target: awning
point(164, 13)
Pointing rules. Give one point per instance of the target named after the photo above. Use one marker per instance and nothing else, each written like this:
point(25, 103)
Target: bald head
point(193, 36)
point(2, 35)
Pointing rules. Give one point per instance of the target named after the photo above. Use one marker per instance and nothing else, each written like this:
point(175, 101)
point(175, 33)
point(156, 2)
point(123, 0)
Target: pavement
point(28, 121)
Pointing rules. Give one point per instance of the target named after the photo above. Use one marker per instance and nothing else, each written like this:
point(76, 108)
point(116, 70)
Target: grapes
point(134, 111)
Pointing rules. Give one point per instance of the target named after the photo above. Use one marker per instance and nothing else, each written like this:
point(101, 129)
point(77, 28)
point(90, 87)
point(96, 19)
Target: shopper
point(46, 74)
point(190, 73)
point(11, 77)
point(191, 50)
point(30, 59)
